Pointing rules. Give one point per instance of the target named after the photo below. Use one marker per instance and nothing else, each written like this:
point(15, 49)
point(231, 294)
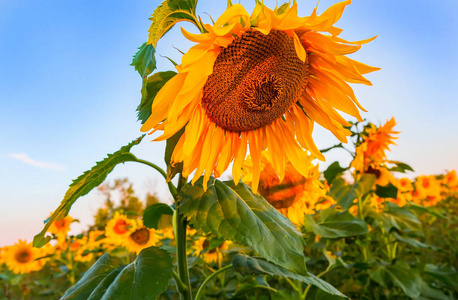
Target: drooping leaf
point(235, 213)
point(400, 167)
point(84, 287)
point(411, 241)
point(345, 194)
point(333, 171)
point(144, 60)
point(153, 214)
point(166, 15)
point(335, 224)
point(247, 265)
point(84, 184)
point(386, 191)
point(145, 278)
point(151, 87)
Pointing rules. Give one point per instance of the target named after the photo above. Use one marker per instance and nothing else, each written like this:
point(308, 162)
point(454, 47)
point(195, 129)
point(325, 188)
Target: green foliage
point(247, 265)
point(400, 167)
point(145, 278)
point(235, 213)
point(151, 87)
point(153, 214)
point(169, 13)
point(402, 276)
point(84, 184)
point(386, 191)
point(397, 217)
point(345, 194)
point(336, 224)
point(144, 60)
point(333, 171)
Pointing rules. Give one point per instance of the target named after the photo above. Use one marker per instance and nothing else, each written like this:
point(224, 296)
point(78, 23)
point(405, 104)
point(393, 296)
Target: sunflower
point(261, 80)
point(140, 238)
point(202, 247)
point(21, 258)
point(61, 228)
point(427, 190)
point(119, 228)
point(293, 194)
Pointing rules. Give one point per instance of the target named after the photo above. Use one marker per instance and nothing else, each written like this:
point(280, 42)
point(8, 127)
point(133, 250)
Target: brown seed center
point(255, 80)
point(23, 256)
point(140, 236)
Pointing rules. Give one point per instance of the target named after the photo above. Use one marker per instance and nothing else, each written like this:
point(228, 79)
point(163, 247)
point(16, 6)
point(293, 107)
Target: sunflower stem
point(172, 188)
point(207, 280)
point(180, 225)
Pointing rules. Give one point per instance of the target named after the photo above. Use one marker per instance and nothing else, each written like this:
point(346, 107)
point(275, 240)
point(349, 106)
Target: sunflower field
point(243, 103)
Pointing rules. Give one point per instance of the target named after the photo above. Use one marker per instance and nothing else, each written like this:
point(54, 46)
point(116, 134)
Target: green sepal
point(166, 15)
point(247, 265)
point(84, 184)
point(151, 86)
point(233, 212)
point(176, 168)
point(153, 214)
point(144, 60)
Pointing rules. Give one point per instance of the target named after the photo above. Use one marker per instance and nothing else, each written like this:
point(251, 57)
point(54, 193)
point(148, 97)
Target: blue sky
point(68, 95)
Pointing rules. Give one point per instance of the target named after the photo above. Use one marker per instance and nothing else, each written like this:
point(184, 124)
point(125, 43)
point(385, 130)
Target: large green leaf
point(335, 224)
point(145, 278)
point(247, 265)
point(386, 191)
point(84, 184)
point(169, 13)
point(153, 214)
point(144, 60)
point(345, 194)
point(333, 171)
point(151, 87)
point(235, 213)
point(84, 287)
point(397, 217)
point(402, 276)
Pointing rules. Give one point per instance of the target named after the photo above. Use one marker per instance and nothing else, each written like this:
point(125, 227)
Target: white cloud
point(44, 165)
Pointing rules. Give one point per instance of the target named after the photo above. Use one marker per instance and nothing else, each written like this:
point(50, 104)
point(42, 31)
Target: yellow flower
point(201, 247)
point(21, 258)
point(264, 80)
point(140, 238)
point(450, 179)
point(119, 228)
point(371, 154)
point(61, 228)
point(293, 194)
point(427, 190)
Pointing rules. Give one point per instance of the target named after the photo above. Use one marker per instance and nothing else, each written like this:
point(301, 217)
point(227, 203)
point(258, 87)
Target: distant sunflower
point(119, 228)
point(140, 238)
point(202, 247)
point(21, 258)
point(264, 80)
point(61, 227)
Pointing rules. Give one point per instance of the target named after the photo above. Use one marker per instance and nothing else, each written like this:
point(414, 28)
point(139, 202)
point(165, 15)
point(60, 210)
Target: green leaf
point(430, 210)
point(153, 214)
point(151, 87)
point(428, 293)
point(84, 287)
point(84, 184)
point(169, 13)
point(345, 194)
point(400, 167)
point(172, 170)
point(397, 217)
point(247, 265)
point(446, 274)
point(145, 278)
point(333, 171)
point(402, 276)
point(386, 191)
point(144, 60)
point(335, 224)
point(235, 213)
point(411, 241)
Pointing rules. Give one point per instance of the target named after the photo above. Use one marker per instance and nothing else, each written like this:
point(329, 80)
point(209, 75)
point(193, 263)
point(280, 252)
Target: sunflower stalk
point(180, 224)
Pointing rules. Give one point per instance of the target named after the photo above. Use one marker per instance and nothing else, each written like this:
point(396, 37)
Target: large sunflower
point(261, 80)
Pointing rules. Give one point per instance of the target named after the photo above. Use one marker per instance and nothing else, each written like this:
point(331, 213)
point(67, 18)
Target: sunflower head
point(119, 228)
point(61, 227)
point(260, 81)
point(21, 258)
point(140, 238)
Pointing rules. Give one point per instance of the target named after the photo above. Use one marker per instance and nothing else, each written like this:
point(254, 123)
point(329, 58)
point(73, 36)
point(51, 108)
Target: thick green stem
point(180, 225)
point(207, 280)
